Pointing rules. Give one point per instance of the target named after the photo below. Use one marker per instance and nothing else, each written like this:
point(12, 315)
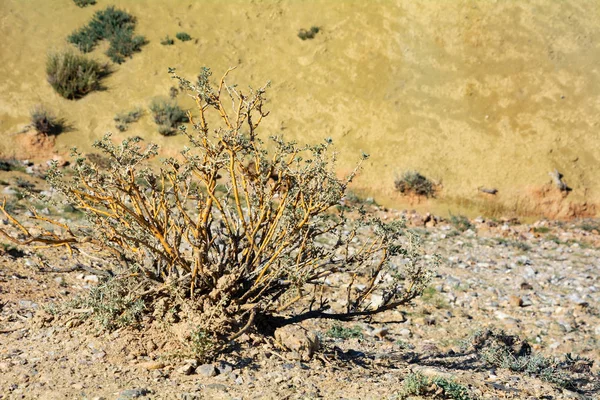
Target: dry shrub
point(233, 229)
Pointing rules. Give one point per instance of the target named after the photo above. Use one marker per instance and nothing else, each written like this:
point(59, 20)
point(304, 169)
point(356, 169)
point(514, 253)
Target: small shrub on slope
point(73, 75)
point(114, 25)
point(167, 115)
point(414, 182)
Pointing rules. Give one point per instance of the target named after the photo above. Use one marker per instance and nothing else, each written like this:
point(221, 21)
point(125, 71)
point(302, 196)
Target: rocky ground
point(537, 281)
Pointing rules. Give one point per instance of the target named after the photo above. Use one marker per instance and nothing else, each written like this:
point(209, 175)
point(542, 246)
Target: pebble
point(133, 393)
point(151, 365)
point(187, 369)
point(206, 370)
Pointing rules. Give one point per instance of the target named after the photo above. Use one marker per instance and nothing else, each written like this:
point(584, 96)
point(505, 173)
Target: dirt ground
point(470, 94)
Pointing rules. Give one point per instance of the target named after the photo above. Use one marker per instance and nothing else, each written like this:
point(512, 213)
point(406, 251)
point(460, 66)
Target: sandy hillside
point(471, 94)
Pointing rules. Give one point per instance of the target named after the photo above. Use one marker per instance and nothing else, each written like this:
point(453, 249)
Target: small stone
point(526, 286)
point(224, 368)
point(216, 386)
point(27, 304)
point(404, 332)
point(515, 301)
point(133, 393)
point(9, 191)
point(152, 365)
point(206, 370)
point(91, 278)
point(187, 369)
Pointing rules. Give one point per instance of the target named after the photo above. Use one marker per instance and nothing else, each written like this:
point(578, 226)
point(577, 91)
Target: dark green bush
point(73, 75)
point(84, 3)
point(414, 182)
point(114, 25)
point(184, 37)
point(43, 121)
point(308, 34)
point(167, 115)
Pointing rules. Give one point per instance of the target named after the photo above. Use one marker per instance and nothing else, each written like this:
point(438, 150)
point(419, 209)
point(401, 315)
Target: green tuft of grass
point(73, 75)
point(183, 36)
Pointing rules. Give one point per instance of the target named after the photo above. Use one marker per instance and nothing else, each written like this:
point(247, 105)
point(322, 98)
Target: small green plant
point(461, 223)
point(502, 350)
point(308, 34)
point(167, 115)
point(45, 122)
point(590, 225)
point(173, 92)
point(452, 389)
point(337, 331)
point(73, 75)
point(114, 303)
point(167, 41)
point(415, 183)
point(417, 384)
point(113, 25)
point(201, 342)
point(541, 229)
point(84, 3)
point(183, 36)
point(123, 120)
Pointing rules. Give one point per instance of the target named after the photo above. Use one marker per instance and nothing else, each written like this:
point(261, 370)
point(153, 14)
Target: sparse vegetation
point(73, 75)
point(590, 225)
point(167, 41)
point(415, 183)
point(541, 229)
point(226, 258)
point(84, 3)
point(113, 25)
point(308, 34)
point(45, 122)
point(461, 223)
point(123, 120)
point(337, 331)
point(417, 384)
point(183, 36)
point(167, 115)
point(511, 352)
